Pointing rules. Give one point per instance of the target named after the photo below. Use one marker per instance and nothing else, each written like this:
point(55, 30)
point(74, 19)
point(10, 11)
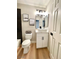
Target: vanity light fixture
point(40, 12)
point(37, 12)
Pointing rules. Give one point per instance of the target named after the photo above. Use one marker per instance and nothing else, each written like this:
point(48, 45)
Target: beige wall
point(25, 25)
point(49, 10)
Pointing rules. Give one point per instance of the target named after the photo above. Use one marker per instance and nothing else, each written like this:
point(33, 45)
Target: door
point(39, 41)
point(55, 45)
point(45, 40)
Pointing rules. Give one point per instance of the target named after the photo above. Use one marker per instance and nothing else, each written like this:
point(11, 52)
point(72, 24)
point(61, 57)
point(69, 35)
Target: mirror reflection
point(41, 21)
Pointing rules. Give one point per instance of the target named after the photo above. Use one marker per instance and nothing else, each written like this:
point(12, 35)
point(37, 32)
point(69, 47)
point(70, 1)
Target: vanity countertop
point(37, 31)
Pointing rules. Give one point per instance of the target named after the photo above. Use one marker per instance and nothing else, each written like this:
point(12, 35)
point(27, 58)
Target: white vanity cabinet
point(41, 40)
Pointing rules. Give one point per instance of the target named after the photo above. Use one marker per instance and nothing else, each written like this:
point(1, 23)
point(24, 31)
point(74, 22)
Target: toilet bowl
point(26, 46)
point(26, 43)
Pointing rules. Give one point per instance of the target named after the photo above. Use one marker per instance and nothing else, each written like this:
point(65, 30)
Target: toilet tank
point(28, 35)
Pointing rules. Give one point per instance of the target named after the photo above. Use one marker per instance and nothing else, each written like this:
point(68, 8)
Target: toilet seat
point(26, 43)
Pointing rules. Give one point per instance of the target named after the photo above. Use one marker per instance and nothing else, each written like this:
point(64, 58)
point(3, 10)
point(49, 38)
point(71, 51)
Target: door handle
point(51, 33)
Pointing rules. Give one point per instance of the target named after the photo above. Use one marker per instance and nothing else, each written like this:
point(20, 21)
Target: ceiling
point(38, 3)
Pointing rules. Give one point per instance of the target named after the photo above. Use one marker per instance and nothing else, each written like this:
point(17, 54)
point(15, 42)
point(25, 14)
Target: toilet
point(26, 43)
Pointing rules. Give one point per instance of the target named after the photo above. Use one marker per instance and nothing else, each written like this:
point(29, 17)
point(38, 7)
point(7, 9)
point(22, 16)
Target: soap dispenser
point(40, 27)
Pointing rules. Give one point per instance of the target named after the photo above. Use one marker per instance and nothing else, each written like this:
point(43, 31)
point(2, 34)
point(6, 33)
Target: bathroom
point(26, 34)
point(35, 29)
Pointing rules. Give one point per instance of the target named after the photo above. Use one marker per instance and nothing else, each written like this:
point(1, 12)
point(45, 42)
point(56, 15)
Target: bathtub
point(18, 42)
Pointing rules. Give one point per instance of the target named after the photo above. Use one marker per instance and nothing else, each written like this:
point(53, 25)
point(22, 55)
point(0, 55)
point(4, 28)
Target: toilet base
point(26, 50)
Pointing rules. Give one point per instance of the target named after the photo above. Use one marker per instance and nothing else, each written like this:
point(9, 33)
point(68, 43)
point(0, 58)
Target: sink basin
point(42, 30)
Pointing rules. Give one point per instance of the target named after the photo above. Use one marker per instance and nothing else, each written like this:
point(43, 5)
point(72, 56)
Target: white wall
point(25, 25)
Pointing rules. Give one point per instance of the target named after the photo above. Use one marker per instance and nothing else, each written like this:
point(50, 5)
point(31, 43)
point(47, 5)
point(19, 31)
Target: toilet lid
point(25, 42)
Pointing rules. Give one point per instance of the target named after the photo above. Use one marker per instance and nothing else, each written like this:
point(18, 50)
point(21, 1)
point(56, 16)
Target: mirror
point(41, 21)
point(45, 21)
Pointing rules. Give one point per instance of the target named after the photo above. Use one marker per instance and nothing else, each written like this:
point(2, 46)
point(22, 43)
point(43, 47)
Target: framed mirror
point(42, 21)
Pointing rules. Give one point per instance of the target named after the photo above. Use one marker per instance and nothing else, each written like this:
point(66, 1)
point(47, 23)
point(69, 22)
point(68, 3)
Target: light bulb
point(36, 12)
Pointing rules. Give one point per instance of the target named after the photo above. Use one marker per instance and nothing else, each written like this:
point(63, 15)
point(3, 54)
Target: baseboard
point(33, 41)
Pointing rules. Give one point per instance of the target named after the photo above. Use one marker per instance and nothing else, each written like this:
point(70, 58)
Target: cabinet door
point(39, 42)
point(45, 39)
